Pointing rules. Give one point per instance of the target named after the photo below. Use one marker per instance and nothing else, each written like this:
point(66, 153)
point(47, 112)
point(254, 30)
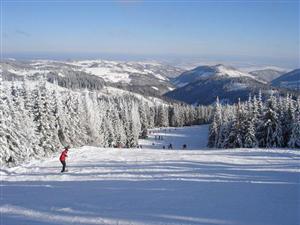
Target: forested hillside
point(39, 118)
point(273, 123)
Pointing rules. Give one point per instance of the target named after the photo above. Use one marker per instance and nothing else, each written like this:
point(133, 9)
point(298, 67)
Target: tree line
point(38, 118)
point(274, 122)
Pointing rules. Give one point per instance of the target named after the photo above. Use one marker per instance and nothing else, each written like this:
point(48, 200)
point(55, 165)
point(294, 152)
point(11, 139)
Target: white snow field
point(155, 186)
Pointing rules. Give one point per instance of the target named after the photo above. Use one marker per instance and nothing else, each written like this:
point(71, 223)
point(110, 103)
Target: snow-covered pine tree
point(135, 124)
point(174, 116)
point(250, 140)
point(42, 118)
point(214, 129)
point(286, 117)
point(162, 116)
point(6, 132)
point(23, 123)
point(45, 119)
point(294, 140)
point(143, 116)
point(256, 123)
point(269, 129)
point(235, 138)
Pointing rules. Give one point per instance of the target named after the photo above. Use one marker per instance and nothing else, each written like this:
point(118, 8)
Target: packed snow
point(151, 185)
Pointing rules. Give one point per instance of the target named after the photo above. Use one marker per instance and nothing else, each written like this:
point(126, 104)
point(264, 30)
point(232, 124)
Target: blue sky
point(256, 30)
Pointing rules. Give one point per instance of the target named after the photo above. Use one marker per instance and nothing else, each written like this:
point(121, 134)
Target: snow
point(181, 84)
point(115, 71)
point(159, 77)
point(108, 75)
point(230, 72)
point(156, 186)
point(248, 69)
point(155, 88)
point(23, 72)
point(195, 137)
point(110, 71)
point(237, 86)
point(151, 101)
point(218, 70)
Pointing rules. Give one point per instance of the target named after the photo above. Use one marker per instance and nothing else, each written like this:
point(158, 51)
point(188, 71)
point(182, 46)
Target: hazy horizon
point(231, 32)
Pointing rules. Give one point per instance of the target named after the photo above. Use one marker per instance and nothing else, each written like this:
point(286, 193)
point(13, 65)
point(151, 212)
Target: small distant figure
point(63, 157)
point(170, 146)
point(164, 147)
point(184, 146)
point(144, 134)
point(153, 144)
point(9, 161)
point(141, 146)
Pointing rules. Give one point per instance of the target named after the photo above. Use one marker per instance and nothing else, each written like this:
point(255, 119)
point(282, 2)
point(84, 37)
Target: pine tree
point(45, 119)
point(213, 138)
point(270, 130)
point(286, 117)
point(294, 140)
point(162, 116)
point(237, 129)
point(250, 138)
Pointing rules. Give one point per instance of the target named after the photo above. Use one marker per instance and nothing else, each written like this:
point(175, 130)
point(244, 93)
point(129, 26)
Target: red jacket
point(63, 155)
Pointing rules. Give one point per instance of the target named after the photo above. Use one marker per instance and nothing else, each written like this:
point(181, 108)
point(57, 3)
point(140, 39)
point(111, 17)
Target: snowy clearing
point(156, 186)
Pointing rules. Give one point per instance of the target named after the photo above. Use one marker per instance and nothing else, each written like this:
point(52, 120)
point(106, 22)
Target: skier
point(63, 157)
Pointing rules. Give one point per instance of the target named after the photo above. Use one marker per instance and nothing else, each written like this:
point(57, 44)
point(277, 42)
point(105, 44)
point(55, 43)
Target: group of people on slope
point(64, 155)
point(170, 146)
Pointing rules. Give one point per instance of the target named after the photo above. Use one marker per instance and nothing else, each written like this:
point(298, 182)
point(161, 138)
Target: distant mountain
point(202, 72)
point(143, 77)
point(203, 84)
point(290, 80)
point(267, 74)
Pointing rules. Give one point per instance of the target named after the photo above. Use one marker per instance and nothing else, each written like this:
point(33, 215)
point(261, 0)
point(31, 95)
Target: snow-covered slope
point(136, 74)
point(156, 187)
point(290, 80)
point(203, 84)
point(267, 74)
point(194, 137)
point(201, 72)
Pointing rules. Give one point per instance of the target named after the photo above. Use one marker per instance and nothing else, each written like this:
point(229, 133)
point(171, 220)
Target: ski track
point(155, 186)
